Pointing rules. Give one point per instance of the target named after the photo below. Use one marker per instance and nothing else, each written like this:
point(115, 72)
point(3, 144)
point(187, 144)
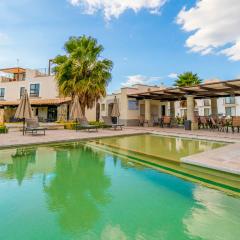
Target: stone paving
point(15, 138)
point(206, 134)
point(226, 159)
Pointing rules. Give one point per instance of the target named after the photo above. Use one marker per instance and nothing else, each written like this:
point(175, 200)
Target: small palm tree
point(187, 79)
point(82, 71)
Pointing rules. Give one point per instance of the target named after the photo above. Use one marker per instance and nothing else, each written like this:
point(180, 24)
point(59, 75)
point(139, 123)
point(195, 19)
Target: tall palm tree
point(82, 71)
point(187, 79)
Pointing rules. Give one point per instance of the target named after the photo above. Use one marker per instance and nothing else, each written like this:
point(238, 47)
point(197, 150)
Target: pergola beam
point(208, 90)
point(235, 87)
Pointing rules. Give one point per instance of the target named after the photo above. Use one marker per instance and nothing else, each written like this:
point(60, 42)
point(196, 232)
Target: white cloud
point(172, 75)
point(114, 8)
point(214, 27)
point(140, 79)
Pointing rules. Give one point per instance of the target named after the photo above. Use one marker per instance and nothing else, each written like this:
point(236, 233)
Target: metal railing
point(43, 72)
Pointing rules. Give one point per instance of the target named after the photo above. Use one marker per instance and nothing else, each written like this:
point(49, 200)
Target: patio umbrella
point(76, 111)
point(115, 110)
point(24, 109)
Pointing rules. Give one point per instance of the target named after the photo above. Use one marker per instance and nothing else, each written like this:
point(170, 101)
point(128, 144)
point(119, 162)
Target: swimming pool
point(78, 191)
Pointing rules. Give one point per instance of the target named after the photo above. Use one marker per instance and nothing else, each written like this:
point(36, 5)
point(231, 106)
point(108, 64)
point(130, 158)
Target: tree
point(187, 79)
point(82, 71)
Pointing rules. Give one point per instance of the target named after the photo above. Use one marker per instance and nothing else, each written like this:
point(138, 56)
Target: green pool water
point(171, 148)
point(72, 191)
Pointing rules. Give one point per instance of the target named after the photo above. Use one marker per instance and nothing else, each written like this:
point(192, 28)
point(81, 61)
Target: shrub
point(72, 125)
point(3, 129)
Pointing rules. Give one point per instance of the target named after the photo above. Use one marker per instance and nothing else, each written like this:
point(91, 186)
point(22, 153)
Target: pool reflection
point(213, 216)
point(78, 188)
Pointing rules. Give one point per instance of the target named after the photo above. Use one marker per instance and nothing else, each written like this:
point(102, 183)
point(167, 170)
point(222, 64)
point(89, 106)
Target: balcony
point(12, 74)
point(43, 72)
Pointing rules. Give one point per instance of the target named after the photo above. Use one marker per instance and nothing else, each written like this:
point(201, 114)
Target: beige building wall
point(90, 114)
point(48, 88)
point(131, 116)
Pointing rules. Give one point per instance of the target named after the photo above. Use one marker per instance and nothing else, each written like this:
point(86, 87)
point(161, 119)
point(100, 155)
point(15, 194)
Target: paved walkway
point(15, 139)
point(226, 159)
point(207, 134)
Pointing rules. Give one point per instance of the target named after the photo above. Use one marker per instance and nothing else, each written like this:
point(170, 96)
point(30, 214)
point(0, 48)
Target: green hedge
point(72, 125)
point(3, 129)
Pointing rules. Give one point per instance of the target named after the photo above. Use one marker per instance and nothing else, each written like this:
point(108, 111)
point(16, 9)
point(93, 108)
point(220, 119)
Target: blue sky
point(149, 42)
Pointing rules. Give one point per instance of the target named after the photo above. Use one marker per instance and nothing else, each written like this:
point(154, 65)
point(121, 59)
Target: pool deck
point(16, 139)
point(225, 159)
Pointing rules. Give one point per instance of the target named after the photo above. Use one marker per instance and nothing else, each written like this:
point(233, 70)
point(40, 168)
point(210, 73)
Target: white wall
point(48, 88)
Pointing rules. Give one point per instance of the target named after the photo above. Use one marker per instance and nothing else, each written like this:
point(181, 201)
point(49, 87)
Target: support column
point(1, 116)
point(148, 110)
point(172, 114)
point(214, 108)
point(172, 109)
point(190, 111)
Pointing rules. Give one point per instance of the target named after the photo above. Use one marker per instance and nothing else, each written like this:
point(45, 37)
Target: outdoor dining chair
point(235, 123)
point(167, 121)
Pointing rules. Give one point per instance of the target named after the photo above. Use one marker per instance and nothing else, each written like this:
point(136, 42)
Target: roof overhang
point(201, 91)
point(38, 102)
point(14, 70)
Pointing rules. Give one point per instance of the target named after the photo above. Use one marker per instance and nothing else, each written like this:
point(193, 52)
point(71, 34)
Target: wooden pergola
point(211, 91)
point(207, 90)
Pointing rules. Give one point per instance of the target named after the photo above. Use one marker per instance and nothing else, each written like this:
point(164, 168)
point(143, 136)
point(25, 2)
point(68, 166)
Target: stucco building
point(44, 96)
point(135, 102)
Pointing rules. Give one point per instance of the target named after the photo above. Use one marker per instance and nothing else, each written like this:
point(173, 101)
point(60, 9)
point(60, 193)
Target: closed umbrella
point(24, 110)
point(76, 111)
point(115, 111)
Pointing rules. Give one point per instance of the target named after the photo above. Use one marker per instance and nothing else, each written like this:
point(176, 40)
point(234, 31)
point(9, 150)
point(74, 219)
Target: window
point(2, 93)
point(206, 112)
point(230, 100)
point(34, 90)
point(102, 107)
point(133, 105)
point(230, 111)
point(22, 89)
point(206, 102)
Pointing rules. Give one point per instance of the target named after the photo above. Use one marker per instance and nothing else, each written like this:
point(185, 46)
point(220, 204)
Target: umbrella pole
point(23, 126)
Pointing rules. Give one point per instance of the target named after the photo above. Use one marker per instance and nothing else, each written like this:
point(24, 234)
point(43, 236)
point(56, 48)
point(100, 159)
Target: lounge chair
point(83, 124)
point(34, 127)
point(108, 123)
